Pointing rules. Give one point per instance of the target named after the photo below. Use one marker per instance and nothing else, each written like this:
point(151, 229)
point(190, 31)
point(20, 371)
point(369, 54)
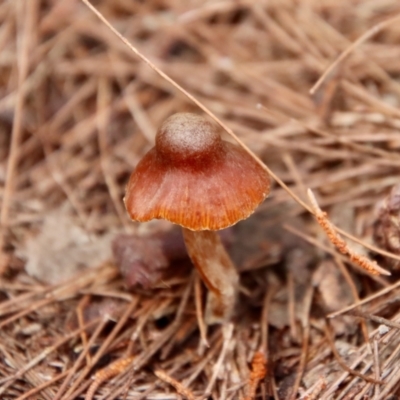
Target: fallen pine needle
point(365, 263)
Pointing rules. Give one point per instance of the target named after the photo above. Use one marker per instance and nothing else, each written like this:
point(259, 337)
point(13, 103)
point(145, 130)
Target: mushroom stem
point(217, 271)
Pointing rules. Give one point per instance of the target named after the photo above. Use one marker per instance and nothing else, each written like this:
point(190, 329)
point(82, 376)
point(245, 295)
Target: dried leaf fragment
point(142, 260)
point(62, 248)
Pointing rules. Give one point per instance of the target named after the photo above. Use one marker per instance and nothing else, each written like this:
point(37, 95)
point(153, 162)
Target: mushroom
point(193, 178)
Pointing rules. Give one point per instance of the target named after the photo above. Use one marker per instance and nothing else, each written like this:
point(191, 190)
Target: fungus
point(193, 178)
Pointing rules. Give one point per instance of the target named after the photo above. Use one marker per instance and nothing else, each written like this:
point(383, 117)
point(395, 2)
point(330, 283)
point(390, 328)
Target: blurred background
point(78, 110)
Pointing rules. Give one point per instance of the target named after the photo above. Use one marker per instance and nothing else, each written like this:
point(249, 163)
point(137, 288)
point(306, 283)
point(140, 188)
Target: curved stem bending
point(217, 271)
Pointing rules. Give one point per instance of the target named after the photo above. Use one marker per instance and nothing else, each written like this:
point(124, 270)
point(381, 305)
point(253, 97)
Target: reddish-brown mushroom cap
point(195, 179)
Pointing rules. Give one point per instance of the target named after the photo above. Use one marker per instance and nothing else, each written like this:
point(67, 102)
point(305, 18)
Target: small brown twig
point(370, 266)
